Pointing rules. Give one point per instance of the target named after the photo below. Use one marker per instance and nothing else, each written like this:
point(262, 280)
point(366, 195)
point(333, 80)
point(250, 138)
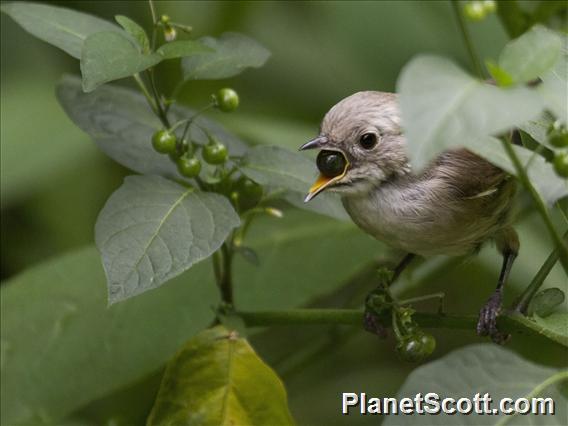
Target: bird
point(453, 206)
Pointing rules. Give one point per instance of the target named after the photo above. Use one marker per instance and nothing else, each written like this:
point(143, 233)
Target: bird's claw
point(487, 323)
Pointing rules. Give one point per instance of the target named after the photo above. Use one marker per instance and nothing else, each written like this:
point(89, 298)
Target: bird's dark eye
point(331, 163)
point(368, 140)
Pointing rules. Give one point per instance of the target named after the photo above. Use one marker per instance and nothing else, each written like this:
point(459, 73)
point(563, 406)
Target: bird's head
point(361, 145)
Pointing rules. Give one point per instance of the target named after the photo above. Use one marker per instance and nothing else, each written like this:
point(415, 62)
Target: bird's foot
point(487, 323)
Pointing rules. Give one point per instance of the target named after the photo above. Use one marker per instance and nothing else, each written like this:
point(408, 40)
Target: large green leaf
point(218, 379)
point(233, 54)
point(121, 124)
point(443, 107)
point(279, 168)
point(301, 256)
point(481, 369)
point(152, 229)
point(62, 347)
point(61, 27)
point(531, 55)
point(109, 56)
point(549, 185)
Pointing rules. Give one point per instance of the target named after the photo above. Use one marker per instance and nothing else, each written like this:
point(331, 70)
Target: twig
point(467, 40)
point(524, 299)
point(524, 178)
point(510, 323)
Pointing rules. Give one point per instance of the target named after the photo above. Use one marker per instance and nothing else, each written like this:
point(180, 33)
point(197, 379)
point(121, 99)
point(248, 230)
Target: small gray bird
point(459, 202)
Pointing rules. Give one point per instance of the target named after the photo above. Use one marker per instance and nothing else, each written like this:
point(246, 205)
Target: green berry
point(428, 344)
point(249, 188)
point(249, 193)
point(410, 349)
point(226, 100)
point(558, 135)
point(561, 164)
point(188, 166)
point(215, 153)
point(474, 10)
point(164, 19)
point(489, 6)
point(164, 141)
point(559, 140)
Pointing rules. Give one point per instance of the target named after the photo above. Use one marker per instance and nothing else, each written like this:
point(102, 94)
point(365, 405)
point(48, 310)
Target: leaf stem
point(524, 299)
point(467, 40)
point(541, 208)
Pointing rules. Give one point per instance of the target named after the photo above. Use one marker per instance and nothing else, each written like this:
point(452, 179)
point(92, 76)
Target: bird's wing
point(466, 174)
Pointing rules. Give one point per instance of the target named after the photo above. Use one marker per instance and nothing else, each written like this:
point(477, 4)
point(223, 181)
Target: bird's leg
point(370, 321)
point(487, 323)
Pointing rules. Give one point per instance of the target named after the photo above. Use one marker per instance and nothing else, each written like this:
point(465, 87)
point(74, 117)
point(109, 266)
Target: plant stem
point(524, 178)
point(524, 299)
point(226, 282)
point(146, 93)
point(159, 108)
point(467, 40)
point(507, 322)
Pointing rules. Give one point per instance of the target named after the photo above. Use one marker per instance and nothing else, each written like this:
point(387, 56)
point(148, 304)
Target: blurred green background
point(54, 180)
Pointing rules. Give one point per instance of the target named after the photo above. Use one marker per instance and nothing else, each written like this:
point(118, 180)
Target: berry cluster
point(182, 153)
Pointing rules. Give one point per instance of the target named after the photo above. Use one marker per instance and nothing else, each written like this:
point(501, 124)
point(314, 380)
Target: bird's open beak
point(320, 184)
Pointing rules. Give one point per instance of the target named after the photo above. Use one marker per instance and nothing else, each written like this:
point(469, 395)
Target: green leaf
point(135, 31)
point(443, 107)
point(233, 54)
point(279, 168)
point(61, 27)
point(302, 256)
point(549, 185)
point(182, 48)
point(109, 56)
point(63, 347)
point(554, 326)
point(482, 369)
point(555, 85)
point(218, 379)
point(122, 124)
point(152, 229)
point(531, 55)
point(545, 302)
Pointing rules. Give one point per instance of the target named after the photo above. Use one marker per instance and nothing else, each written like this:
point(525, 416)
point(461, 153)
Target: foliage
point(160, 226)
point(490, 369)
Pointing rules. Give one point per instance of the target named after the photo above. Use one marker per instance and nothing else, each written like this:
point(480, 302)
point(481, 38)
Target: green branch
point(524, 299)
point(510, 323)
point(467, 40)
point(525, 181)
